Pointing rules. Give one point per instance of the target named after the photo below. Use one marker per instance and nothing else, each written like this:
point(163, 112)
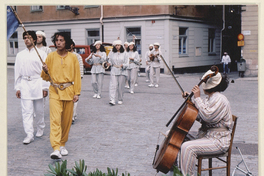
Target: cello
point(187, 113)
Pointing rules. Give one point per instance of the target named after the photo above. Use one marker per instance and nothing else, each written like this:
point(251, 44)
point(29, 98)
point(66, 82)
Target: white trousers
point(155, 70)
point(147, 70)
point(117, 86)
point(191, 149)
point(97, 82)
point(74, 109)
point(131, 77)
point(28, 109)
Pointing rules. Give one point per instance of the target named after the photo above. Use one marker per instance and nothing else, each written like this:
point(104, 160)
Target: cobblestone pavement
point(125, 136)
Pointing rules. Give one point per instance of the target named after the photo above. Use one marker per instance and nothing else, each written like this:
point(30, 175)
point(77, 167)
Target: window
point(93, 35)
point(183, 40)
point(211, 40)
point(36, 8)
point(134, 31)
point(61, 7)
point(13, 44)
point(68, 31)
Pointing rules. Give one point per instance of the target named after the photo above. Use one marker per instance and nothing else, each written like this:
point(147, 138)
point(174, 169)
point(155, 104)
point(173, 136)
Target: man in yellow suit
point(62, 69)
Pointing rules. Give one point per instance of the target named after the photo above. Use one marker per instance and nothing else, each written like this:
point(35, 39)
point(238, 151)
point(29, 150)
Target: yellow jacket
point(63, 70)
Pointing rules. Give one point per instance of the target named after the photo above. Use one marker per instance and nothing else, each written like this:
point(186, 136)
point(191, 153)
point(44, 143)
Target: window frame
point(181, 42)
point(138, 40)
point(91, 39)
point(211, 44)
point(38, 9)
point(14, 41)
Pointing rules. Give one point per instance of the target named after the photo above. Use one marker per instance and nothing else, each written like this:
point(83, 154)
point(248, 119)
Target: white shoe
point(136, 84)
point(39, 133)
point(98, 96)
point(127, 87)
point(156, 85)
point(27, 140)
point(120, 102)
point(63, 151)
point(151, 85)
point(95, 95)
point(147, 80)
point(55, 155)
point(112, 102)
point(131, 91)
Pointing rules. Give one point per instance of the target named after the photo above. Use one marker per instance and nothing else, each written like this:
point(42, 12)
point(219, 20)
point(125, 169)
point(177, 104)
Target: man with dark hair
point(41, 42)
point(62, 67)
point(29, 86)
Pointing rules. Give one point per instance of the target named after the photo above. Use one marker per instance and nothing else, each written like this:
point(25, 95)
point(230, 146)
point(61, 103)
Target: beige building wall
point(249, 27)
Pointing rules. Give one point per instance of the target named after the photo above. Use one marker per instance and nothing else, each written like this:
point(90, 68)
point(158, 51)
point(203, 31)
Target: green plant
point(96, 173)
point(79, 169)
point(58, 170)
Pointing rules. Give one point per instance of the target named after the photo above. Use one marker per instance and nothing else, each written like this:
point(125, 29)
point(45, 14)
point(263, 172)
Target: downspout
point(221, 44)
point(101, 21)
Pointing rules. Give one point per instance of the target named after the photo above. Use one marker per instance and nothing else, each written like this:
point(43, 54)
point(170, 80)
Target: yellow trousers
point(60, 122)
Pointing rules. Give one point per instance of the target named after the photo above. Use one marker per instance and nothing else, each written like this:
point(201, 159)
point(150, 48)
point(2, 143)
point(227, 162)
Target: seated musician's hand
point(196, 91)
point(185, 94)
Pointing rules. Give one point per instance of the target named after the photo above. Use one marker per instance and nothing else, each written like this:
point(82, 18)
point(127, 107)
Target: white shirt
point(135, 56)
point(148, 62)
point(156, 60)
point(117, 59)
point(97, 62)
point(45, 49)
point(226, 59)
point(28, 64)
point(79, 57)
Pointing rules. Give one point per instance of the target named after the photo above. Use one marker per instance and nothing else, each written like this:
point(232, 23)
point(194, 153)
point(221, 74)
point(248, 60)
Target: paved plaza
point(125, 136)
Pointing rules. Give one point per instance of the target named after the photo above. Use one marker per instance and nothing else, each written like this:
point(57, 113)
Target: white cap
point(117, 42)
point(156, 43)
point(41, 33)
point(151, 45)
point(97, 42)
point(131, 43)
point(126, 43)
point(211, 82)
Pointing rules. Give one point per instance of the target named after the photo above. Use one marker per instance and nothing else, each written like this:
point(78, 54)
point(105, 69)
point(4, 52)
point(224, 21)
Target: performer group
point(60, 75)
point(39, 73)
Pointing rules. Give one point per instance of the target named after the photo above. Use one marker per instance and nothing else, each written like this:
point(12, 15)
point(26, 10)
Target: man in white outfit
point(148, 62)
point(41, 42)
point(155, 65)
point(226, 61)
point(30, 87)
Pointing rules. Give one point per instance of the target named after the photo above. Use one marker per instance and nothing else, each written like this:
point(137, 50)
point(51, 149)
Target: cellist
point(216, 119)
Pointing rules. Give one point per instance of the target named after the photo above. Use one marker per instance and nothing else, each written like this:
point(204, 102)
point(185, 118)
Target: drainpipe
point(221, 44)
point(101, 21)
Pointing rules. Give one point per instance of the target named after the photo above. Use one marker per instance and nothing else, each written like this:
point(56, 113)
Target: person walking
point(29, 86)
point(96, 58)
point(62, 67)
point(148, 62)
point(226, 62)
point(155, 65)
point(41, 42)
point(132, 69)
point(79, 57)
point(118, 60)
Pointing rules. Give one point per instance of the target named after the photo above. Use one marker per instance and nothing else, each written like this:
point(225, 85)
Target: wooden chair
point(226, 155)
